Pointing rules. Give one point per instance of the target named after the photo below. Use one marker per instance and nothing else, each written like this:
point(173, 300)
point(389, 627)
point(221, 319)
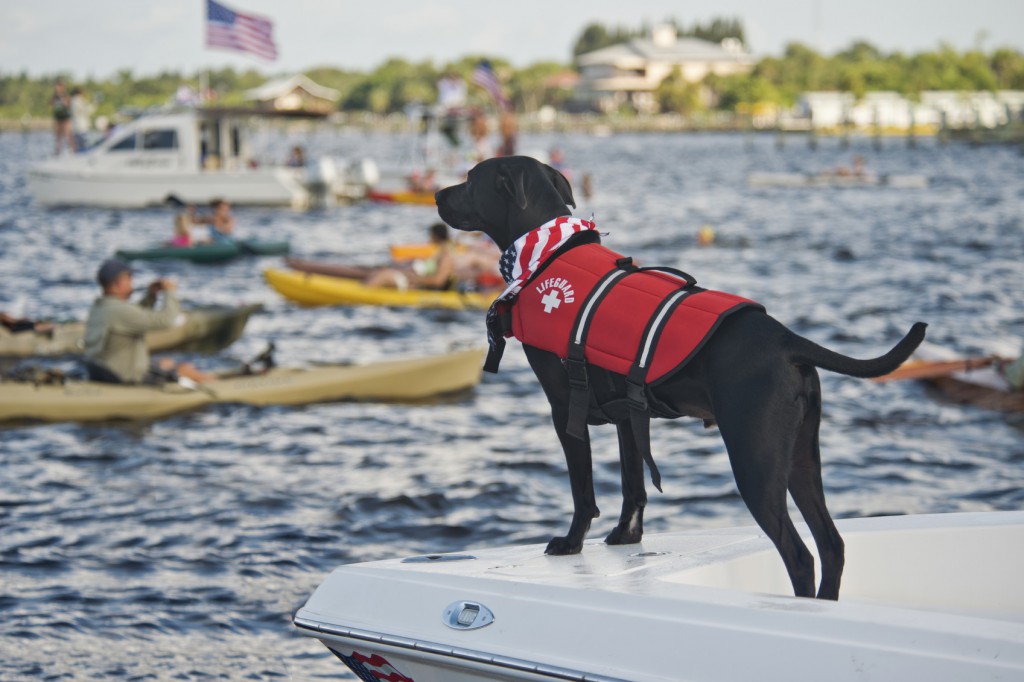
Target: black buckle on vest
point(636, 388)
point(636, 396)
point(625, 263)
point(577, 370)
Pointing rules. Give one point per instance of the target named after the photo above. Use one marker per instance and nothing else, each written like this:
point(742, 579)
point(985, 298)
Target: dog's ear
point(511, 180)
point(561, 184)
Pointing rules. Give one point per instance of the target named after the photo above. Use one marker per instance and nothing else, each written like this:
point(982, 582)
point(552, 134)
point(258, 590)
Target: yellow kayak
point(312, 289)
point(402, 197)
point(403, 380)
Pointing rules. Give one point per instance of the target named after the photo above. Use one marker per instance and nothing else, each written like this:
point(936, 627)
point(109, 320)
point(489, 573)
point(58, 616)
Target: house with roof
point(294, 93)
point(630, 72)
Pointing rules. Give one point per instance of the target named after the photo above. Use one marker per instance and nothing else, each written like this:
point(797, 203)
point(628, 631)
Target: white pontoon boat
point(930, 597)
point(192, 155)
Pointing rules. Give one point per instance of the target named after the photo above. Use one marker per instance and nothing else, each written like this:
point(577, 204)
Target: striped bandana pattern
point(526, 254)
point(529, 251)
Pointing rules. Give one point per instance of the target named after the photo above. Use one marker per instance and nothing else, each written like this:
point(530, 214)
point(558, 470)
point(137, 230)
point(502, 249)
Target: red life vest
point(592, 306)
point(593, 297)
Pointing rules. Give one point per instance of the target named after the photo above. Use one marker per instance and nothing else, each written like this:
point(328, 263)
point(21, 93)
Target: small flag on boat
point(483, 75)
point(233, 30)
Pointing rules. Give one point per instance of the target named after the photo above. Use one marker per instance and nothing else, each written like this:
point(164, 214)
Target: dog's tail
point(806, 352)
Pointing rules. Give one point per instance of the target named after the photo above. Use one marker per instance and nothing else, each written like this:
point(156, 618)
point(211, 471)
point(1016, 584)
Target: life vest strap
point(636, 380)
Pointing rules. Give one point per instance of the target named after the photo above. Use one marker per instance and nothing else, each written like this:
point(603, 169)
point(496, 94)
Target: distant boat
point(212, 252)
point(765, 179)
point(192, 156)
point(975, 381)
point(202, 329)
point(395, 380)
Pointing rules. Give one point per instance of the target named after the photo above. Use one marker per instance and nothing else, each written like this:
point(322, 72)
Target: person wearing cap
point(115, 331)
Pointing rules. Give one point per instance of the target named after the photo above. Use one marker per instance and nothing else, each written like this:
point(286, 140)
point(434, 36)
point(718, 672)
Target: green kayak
point(217, 252)
point(201, 330)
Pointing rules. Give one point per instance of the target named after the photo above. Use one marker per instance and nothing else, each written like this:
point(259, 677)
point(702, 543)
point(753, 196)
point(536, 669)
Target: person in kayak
point(183, 228)
point(115, 331)
point(435, 272)
point(16, 325)
point(221, 221)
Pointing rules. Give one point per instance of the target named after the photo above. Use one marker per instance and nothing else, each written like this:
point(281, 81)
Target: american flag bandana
point(528, 252)
point(521, 260)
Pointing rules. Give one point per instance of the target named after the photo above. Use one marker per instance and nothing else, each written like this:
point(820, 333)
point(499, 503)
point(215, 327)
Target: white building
point(892, 110)
point(630, 72)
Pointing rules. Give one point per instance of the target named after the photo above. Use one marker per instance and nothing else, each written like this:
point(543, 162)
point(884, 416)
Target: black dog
point(756, 379)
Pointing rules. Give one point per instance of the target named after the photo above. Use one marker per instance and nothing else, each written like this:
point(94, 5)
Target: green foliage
point(862, 68)
point(595, 36)
point(677, 95)
point(396, 83)
point(714, 31)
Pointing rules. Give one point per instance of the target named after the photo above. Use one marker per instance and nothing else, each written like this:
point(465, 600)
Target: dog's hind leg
point(634, 494)
point(806, 487)
point(759, 437)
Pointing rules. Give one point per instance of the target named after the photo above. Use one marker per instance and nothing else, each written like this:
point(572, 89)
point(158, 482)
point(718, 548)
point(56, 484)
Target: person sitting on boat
point(435, 272)
point(221, 221)
point(476, 264)
point(424, 183)
point(1014, 373)
point(16, 325)
point(856, 171)
point(115, 331)
point(297, 159)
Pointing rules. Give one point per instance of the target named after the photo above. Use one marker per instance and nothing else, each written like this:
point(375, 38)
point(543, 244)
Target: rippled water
point(179, 549)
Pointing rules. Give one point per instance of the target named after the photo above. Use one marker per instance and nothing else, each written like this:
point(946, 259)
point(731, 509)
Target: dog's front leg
point(555, 382)
point(581, 480)
point(634, 494)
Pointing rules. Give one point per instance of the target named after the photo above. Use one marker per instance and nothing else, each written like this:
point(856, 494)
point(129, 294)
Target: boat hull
point(765, 179)
point(934, 597)
point(56, 183)
point(316, 290)
point(985, 386)
point(202, 330)
point(402, 197)
point(218, 252)
point(404, 380)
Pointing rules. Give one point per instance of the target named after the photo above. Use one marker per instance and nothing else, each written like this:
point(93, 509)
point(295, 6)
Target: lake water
point(179, 549)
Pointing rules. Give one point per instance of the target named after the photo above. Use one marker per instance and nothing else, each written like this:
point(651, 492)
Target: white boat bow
point(935, 597)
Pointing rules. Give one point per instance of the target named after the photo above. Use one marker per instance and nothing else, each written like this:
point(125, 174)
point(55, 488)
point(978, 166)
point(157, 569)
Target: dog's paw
point(624, 535)
point(563, 546)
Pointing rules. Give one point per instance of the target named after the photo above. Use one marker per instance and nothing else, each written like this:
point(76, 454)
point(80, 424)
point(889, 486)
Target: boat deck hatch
point(467, 615)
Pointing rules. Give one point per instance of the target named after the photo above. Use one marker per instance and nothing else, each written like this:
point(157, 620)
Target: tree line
point(397, 83)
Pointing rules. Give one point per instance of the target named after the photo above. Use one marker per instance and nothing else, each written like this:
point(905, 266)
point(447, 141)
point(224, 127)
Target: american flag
point(483, 75)
point(241, 32)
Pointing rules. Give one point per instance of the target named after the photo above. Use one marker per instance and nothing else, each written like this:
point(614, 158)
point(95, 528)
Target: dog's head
point(506, 197)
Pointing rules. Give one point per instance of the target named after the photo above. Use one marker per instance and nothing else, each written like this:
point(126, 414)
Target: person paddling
point(115, 331)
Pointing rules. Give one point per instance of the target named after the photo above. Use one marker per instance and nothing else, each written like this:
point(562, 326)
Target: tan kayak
point(202, 330)
point(403, 380)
